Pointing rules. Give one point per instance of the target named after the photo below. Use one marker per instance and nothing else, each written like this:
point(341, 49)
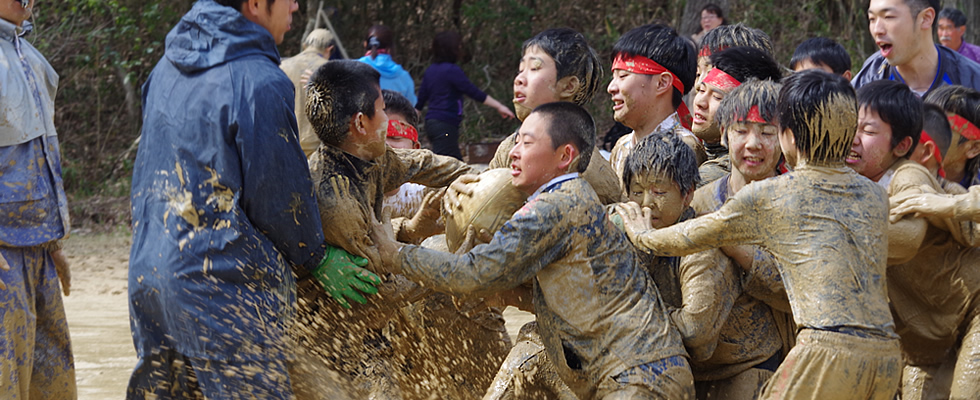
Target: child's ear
point(568, 87)
point(847, 74)
point(569, 157)
point(972, 149)
point(665, 82)
point(924, 152)
point(903, 147)
point(688, 198)
point(357, 123)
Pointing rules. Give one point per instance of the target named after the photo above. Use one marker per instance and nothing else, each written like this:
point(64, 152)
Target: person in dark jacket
point(902, 29)
point(443, 87)
point(223, 205)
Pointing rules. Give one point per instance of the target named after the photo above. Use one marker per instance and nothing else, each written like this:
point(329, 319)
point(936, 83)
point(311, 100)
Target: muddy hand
point(63, 268)
point(461, 186)
point(636, 219)
point(384, 240)
point(6, 267)
point(924, 204)
point(339, 273)
point(425, 222)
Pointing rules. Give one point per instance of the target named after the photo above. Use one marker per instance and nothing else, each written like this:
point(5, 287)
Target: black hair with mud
point(822, 51)
point(745, 62)
point(663, 154)
point(726, 36)
point(337, 91)
point(736, 104)
point(953, 15)
point(896, 106)
point(397, 103)
point(935, 123)
point(237, 4)
point(959, 100)
point(573, 57)
point(446, 46)
point(820, 109)
point(570, 123)
point(663, 45)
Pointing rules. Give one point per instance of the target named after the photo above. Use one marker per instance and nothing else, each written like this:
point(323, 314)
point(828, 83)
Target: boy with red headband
point(731, 67)
point(653, 68)
point(932, 280)
point(826, 227)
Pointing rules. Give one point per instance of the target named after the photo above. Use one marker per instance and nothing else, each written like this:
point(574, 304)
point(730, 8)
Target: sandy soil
point(98, 313)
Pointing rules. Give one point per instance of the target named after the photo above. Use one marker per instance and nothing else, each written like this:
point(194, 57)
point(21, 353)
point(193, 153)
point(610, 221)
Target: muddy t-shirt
point(826, 228)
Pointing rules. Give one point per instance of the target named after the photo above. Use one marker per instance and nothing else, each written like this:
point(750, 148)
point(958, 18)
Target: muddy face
point(536, 81)
point(871, 153)
point(534, 161)
point(754, 149)
point(661, 195)
point(706, 102)
point(632, 95)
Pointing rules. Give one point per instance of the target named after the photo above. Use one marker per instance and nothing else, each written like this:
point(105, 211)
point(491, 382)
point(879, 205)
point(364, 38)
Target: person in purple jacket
point(443, 87)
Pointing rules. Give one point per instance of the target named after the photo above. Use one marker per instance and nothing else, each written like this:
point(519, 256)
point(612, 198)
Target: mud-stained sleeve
point(526, 244)
point(277, 191)
point(736, 222)
point(501, 159)
point(906, 235)
point(709, 287)
point(966, 210)
point(764, 282)
point(346, 218)
point(423, 167)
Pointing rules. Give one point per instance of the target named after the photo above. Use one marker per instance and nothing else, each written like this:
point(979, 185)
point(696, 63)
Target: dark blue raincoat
point(222, 199)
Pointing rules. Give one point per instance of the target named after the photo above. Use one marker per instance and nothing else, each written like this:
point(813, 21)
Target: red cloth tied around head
point(754, 116)
point(706, 52)
point(397, 128)
point(925, 138)
point(645, 66)
point(721, 80)
point(963, 127)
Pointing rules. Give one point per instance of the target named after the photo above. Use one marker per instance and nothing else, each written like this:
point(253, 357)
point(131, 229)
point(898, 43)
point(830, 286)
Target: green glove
point(340, 273)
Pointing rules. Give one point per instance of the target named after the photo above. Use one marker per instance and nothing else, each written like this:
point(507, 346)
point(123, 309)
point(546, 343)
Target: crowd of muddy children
point(762, 231)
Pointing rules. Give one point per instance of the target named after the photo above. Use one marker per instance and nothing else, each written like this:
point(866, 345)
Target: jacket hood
point(211, 34)
point(384, 64)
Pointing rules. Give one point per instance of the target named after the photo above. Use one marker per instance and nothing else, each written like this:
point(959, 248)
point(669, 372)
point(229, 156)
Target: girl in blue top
point(443, 87)
point(393, 77)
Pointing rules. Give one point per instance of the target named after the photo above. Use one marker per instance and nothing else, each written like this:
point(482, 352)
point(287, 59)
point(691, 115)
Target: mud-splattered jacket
point(597, 310)
point(33, 206)
point(351, 190)
point(933, 292)
point(599, 173)
point(624, 146)
point(826, 228)
point(222, 200)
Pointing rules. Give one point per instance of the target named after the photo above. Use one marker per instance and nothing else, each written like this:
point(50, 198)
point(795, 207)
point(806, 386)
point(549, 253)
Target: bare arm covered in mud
point(526, 244)
point(905, 235)
point(961, 211)
point(421, 166)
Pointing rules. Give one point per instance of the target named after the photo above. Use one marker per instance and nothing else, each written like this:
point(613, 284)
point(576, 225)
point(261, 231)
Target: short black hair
point(663, 153)
point(726, 36)
point(823, 51)
point(916, 6)
point(446, 47)
point(746, 62)
point(953, 15)
point(237, 4)
point(664, 46)
point(935, 123)
point(570, 123)
point(897, 106)
point(959, 100)
point(337, 91)
point(821, 110)
point(397, 103)
point(573, 57)
point(737, 104)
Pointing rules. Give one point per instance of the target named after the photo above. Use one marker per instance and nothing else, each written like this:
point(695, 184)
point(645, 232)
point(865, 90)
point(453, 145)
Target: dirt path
point(98, 314)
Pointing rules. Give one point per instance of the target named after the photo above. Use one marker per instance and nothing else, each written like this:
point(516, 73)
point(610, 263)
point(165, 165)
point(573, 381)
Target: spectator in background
point(37, 360)
point(443, 87)
point(902, 29)
point(379, 44)
point(952, 26)
point(316, 51)
point(711, 18)
point(822, 53)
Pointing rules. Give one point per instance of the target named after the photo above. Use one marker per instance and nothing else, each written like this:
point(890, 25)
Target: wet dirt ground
point(98, 313)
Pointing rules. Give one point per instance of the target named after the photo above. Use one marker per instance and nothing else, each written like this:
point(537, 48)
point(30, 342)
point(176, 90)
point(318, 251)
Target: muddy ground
point(98, 313)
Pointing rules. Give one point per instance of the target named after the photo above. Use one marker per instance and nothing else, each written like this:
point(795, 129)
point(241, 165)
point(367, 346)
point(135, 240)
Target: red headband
point(755, 116)
point(721, 80)
point(645, 66)
point(397, 128)
point(963, 127)
point(925, 138)
point(706, 52)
